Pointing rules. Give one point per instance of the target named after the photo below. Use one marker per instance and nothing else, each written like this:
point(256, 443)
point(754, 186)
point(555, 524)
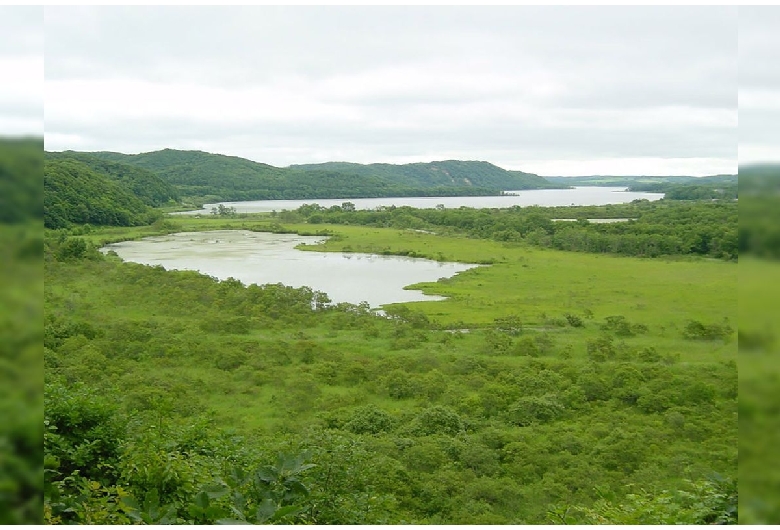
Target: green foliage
point(449, 173)
point(655, 228)
point(223, 211)
point(621, 327)
point(21, 168)
point(148, 187)
point(75, 194)
point(272, 494)
point(173, 391)
point(695, 330)
point(574, 320)
point(437, 420)
point(191, 173)
point(82, 433)
point(21, 352)
point(369, 420)
point(703, 502)
point(531, 409)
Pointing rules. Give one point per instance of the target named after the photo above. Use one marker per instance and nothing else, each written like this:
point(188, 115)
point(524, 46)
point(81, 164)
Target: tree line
point(652, 229)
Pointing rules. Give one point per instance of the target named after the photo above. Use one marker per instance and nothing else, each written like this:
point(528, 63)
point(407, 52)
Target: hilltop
point(208, 177)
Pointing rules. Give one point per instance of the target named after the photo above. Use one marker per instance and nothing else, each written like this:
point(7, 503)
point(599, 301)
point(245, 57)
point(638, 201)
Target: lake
point(579, 196)
point(261, 258)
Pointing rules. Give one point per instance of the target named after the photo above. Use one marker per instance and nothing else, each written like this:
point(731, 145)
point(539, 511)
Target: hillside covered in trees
point(207, 177)
point(74, 193)
point(446, 173)
point(21, 161)
point(144, 184)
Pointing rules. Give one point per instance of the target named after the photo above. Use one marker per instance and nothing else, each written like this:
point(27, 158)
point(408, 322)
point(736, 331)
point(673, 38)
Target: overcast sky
point(555, 91)
point(21, 70)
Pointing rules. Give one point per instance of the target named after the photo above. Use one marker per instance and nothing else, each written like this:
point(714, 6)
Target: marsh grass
point(543, 416)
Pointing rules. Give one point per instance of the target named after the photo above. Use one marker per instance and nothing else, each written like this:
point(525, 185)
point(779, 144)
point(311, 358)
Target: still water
point(259, 257)
point(579, 196)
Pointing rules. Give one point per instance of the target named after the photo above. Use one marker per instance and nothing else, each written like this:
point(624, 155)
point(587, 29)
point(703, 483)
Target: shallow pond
point(579, 196)
point(261, 257)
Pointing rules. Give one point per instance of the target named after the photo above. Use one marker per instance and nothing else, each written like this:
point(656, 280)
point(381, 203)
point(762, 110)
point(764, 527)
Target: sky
point(549, 90)
point(21, 67)
point(759, 84)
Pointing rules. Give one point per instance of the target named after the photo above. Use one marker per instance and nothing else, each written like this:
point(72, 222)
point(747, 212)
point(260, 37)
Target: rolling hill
point(212, 177)
point(73, 193)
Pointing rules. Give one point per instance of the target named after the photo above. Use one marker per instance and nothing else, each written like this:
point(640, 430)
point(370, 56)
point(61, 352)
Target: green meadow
point(550, 387)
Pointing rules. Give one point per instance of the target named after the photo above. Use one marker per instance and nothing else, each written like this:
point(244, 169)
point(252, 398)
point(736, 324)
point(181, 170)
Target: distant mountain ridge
point(620, 180)
point(213, 177)
point(456, 173)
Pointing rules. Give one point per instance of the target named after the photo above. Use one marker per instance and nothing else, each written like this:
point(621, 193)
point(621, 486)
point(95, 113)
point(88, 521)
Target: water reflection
point(260, 257)
point(578, 196)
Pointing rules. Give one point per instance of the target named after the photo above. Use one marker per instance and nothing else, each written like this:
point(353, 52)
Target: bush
point(601, 349)
point(526, 346)
point(437, 420)
point(696, 330)
point(621, 327)
point(400, 385)
point(83, 432)
point(531, 409)
point(369, 420)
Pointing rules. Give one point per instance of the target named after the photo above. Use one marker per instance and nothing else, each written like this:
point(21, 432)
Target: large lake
point(261, 258)
point(579, 196)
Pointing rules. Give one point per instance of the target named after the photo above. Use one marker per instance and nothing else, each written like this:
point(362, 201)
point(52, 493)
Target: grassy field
point(759, 390)
point(545, 401)
point(536, 285)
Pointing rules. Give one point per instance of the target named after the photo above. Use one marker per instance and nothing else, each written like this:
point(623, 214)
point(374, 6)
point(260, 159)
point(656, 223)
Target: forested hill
point(145, 184)
point(445, 173)
point(20, 191)
point(73, 193)
point(211, 177)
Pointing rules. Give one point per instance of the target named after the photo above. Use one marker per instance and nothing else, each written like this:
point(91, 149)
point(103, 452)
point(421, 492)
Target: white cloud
point(297, 85)
point(21, 64)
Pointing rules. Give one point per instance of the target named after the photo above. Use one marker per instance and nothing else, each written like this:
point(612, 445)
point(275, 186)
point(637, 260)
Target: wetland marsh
point(262, 258)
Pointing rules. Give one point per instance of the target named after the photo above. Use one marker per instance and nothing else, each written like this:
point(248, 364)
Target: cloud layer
point(21, 64)
point(564, 90)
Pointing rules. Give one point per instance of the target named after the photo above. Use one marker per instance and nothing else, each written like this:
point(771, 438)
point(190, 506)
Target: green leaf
point(266, 510)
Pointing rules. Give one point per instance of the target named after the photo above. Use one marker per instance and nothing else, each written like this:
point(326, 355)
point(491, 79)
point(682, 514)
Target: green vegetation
point(205, 177)
point(643, 183)
point(759, 363)
point(446, 173)
point(21, 316)
point(720, 187)
point(75, 194)
point(21, 374)
point(21, 164)
point(659, 228)
point(145, 185)
point(551, 387)
point(678, 188)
